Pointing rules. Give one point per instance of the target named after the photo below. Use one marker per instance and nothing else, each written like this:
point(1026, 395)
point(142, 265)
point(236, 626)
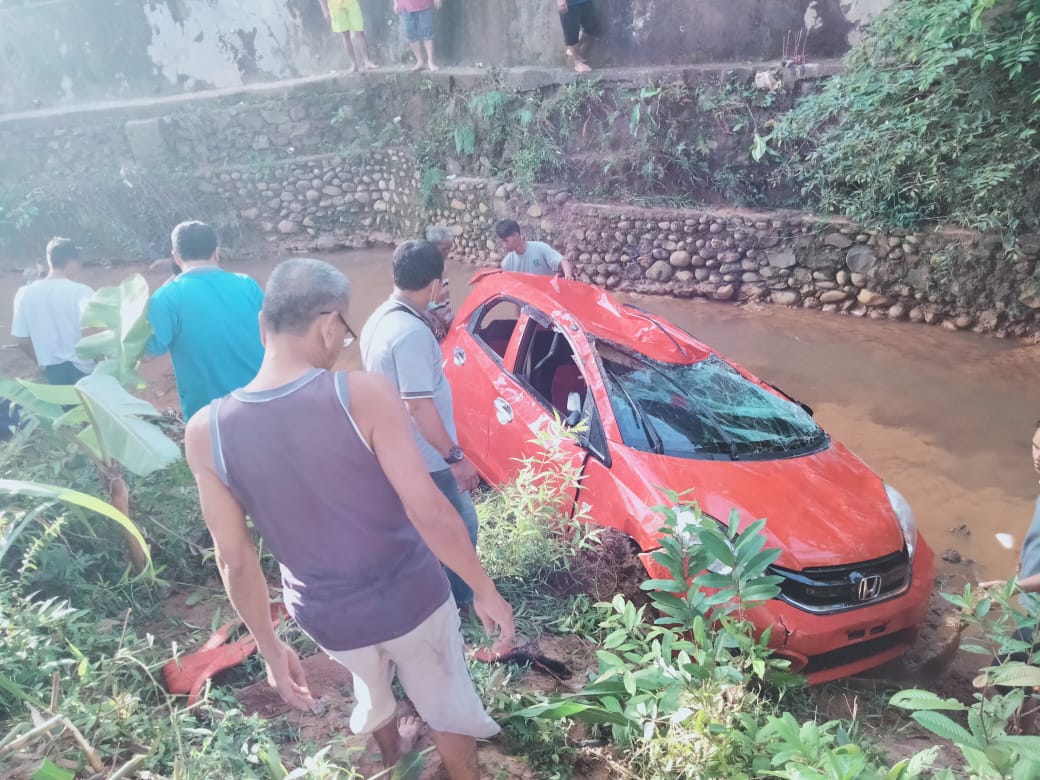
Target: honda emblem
point(869, 587)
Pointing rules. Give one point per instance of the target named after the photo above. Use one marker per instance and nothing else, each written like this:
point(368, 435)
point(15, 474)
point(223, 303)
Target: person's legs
point(463, 504)
point(361, 46)
point(458, 754)
point(62, 374)
point(431, 665)
point(372, 670)
point(424, 32)
point(570, 20)
point(417, 50)
point(351, 55)
point(429, 56)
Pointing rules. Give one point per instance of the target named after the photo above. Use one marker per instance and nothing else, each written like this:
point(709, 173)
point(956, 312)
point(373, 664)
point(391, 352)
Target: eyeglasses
point(351, 337)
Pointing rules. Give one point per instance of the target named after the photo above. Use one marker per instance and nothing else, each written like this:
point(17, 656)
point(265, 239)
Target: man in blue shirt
point(207, 318)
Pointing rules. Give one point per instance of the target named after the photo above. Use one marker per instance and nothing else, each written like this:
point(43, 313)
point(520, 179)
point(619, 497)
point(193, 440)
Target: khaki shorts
point(430, 662)
point(346, 16)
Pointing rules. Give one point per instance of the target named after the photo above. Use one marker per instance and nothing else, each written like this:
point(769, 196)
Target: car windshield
point(706, 410)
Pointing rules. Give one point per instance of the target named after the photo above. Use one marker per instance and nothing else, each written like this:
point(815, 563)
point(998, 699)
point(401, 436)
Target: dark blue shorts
point(418, 25)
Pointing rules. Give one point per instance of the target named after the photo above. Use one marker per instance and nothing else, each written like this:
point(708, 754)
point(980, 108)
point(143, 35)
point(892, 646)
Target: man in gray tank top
point(326, 467)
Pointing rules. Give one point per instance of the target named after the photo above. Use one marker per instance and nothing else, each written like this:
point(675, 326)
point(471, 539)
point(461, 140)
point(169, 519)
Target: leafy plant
point(97, 414)
point(934, 119)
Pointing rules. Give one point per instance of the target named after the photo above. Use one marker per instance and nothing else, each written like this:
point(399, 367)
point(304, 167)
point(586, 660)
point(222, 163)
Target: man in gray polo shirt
point(397, 341)
point(530, 257)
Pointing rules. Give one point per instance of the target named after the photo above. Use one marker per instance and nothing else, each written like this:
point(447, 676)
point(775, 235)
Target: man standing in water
point(47, 315)
point(206, 318)
point(397, 341)
point(326, 467)
point(530, 257)
point(346, 19)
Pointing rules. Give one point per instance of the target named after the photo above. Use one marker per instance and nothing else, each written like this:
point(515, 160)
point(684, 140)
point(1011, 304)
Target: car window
point(706, 410)
point(496, 324)
point(548, 365)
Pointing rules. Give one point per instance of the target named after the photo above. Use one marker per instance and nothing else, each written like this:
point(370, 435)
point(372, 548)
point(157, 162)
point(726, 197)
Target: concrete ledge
point(520, 79)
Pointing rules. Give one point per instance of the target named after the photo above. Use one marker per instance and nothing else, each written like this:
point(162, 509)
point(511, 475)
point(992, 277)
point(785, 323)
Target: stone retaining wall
point(958, 279)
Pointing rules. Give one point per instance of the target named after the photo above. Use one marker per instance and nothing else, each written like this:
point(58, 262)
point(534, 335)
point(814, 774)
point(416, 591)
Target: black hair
point(194, 241)
point(60, 252)
point(416, 264)
point(507, 228)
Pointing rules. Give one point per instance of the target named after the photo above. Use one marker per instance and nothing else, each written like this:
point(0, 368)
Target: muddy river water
point(945, 417)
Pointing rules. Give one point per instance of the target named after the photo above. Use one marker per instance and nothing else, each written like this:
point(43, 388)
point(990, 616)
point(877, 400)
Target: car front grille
point(838, 588)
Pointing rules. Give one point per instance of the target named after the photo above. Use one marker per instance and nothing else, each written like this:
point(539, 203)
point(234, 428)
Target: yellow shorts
point(346, 16)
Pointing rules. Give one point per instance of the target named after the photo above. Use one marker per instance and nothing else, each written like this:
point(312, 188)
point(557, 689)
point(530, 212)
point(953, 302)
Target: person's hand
point(397, 7)
point(562, 5)
point(496, 616)
point(991, 584)
point(285, 674)
point(466, 475)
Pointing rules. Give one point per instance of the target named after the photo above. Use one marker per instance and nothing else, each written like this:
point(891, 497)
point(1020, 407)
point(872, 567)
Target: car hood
point(823, 509)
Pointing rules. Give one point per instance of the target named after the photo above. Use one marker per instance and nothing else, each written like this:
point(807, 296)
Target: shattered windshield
point(705, 410)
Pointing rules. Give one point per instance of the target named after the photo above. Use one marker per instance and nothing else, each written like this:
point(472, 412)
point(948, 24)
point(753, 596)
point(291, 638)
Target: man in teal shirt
point(207, 318)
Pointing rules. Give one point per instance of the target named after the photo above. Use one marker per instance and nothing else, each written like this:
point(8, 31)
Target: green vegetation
point(673, 684)
point(934, 120)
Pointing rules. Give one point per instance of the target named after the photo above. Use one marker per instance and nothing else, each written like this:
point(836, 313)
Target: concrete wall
point(65, 52)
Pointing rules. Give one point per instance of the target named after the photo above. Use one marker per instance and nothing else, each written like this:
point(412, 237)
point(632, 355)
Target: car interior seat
point(567, 379)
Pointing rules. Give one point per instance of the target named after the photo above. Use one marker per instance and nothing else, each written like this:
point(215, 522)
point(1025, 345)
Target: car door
point(473, 363)
point(542, 369)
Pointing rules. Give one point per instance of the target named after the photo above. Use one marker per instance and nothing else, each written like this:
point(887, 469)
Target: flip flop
point(187, 674)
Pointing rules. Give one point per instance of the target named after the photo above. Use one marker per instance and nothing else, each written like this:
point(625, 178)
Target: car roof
point(597, 312)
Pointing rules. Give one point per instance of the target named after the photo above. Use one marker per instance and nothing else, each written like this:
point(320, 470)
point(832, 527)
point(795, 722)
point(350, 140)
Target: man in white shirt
point(47, 316)
point(530, 257)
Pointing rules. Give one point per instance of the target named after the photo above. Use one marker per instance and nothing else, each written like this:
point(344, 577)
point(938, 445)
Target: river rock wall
point(957, 279)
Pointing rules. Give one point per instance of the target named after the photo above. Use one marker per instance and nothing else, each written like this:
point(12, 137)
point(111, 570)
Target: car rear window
point(705, 410)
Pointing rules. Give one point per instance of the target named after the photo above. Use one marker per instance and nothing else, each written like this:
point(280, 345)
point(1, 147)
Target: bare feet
point(369, 65)
point(581, 66)
point(351, 69)
point(408, 728)
point(419, 65)
point(434, 68)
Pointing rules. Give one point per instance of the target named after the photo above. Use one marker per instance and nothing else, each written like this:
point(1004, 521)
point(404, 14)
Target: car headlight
point(906, 518)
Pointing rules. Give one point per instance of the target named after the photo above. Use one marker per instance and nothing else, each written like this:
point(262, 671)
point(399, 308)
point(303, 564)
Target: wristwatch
point(454, 455)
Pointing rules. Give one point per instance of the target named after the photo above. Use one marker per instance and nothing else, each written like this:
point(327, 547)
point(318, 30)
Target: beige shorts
point(430, 662)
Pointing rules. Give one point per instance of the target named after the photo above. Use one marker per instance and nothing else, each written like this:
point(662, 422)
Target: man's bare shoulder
point(197, 448)
point(369, 391)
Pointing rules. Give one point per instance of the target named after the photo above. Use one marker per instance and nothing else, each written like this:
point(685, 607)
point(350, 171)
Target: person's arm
point(25, 345)
point(1029, 584)
point(558, 262)
point(20, 327)
point(160, 317)
point(383, 423)
point(325, 9)
point(239, 565)
point(417, 367)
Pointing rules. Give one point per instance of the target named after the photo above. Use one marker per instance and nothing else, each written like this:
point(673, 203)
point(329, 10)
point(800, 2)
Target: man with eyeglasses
point(325, 465)
point(207, 319)
point(398, 342)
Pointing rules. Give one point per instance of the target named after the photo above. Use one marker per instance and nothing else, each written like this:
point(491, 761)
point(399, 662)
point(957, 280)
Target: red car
point(664, 410)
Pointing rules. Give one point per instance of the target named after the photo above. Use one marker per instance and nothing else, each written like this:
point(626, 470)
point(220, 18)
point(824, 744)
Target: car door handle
point(503, 411)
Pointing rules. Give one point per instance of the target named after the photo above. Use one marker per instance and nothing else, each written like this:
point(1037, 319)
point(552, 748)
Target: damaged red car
point(664, 410)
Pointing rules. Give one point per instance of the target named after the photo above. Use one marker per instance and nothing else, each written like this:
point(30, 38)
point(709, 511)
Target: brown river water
point(945, 417)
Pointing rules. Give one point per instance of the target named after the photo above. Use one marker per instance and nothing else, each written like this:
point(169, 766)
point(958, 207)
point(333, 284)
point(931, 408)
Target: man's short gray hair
point(438, 233)
point(299, 290)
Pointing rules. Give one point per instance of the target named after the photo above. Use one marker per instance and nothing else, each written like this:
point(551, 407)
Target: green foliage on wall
point(934, 120)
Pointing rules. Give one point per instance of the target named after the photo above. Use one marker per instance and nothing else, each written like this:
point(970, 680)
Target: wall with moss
point(67, 52)
point(637, 182)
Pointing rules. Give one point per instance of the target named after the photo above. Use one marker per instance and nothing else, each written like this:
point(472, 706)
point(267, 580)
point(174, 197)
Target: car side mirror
point(573, 409)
